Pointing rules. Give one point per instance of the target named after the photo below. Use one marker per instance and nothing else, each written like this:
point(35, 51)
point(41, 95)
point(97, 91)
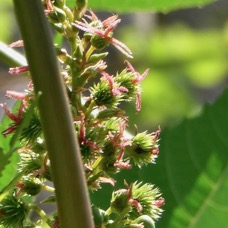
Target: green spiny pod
point(107, 164)
point(119, 200)
point(99, 42)
point(32, 132)
point(13, 211)
point(102, 95)
point(31, 186)
point(140, 151)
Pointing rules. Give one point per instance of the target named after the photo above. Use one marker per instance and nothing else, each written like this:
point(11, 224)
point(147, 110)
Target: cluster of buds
point(100, 123)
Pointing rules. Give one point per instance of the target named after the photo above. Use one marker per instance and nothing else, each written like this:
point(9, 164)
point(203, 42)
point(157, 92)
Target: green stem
point(47, 188)
point(96, 163)
point(41, 213)
point(89, 109)
point(120, 216)
point(67, 170)
point(109, 211)
point(90, 52)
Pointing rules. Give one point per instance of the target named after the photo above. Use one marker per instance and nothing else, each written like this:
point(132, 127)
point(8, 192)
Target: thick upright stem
point(67, 170)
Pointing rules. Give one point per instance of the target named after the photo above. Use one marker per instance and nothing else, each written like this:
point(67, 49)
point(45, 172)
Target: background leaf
point(191, 171)
point(8, 160)
point(6, 20)
point(143, 5)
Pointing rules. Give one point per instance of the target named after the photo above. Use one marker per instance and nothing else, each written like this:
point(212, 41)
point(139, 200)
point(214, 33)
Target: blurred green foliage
point(6, 20)
point(142, 5)
point(183, 62)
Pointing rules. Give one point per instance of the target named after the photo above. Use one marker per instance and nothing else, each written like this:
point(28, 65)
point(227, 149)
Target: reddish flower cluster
point(104, 30)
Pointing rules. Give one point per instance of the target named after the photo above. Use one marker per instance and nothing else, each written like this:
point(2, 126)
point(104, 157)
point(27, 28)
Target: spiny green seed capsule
point(13, 212)
point(103, 96)
point(119, 201)
point(31, 133)
point(125, 79)
point(146, 221)
point(31, 186)
point(141, 149)
point(98, 42)
point(107, 165)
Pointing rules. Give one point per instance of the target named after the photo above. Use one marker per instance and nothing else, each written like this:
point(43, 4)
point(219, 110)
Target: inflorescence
point(95, 97)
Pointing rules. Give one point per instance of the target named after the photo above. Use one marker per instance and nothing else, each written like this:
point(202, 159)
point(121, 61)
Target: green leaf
point(141, 5)
point(191, 171)
point(6, 23)
point(8, 159)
